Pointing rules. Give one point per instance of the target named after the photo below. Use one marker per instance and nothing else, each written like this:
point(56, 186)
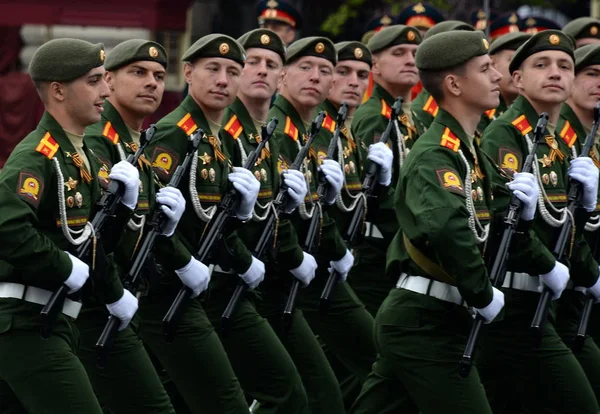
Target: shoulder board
point(490, 114)
point(110, 133)
point(449, 140)
point(568, 134)
point(187, 124)
point(431, 106)
point(234, 127)
point(48, 146)
point(522, 124)
point(385, 109)
point(290, 129)
point(329, 123)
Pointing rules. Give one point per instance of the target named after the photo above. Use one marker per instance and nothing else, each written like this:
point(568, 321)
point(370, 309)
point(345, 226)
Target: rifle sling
point(431, 268)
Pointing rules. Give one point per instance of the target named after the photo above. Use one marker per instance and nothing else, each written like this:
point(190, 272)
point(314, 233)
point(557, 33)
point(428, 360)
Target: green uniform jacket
point(424, 108)
point(30, 223)
point(290, 130)
point(504, 141)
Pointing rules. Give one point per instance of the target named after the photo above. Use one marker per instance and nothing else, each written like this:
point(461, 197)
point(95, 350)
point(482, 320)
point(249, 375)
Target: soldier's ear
point(375, 70)
point(187, 72)
point(56, 91)
point(517, 78)
point(109, 77)
point(452, 85)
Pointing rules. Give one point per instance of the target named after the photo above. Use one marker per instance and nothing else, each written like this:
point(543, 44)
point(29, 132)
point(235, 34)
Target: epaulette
point(385, 109)
point(568, 134)
point(290, 129)
point(522, 124)
point(329, 123)
point(110, 133)
point(48, 146)
point(187, 124)
point(449, 140)
point(234, 127)
point(490, 114)
point(431, 106)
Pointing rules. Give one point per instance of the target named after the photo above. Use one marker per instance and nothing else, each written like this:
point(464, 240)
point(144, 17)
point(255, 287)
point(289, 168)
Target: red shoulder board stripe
point(386, 110)
point(48, 146)
point(110, 133)
point(234, 127)
point(290, 129)
point(568, 134)
point(522, 124)
point(187, 124)
point(490, 114)
point(329, 123)
point(431, 106)
point(449, 140)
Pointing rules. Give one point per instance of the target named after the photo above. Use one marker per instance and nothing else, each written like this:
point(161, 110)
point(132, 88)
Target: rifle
point(107, 207)
point(268, 234)
point(214, 234)
point(314, 228)
point(573, 200)
point(159, 219)
point(356, 223)
point(498, 272)
point(589, 300)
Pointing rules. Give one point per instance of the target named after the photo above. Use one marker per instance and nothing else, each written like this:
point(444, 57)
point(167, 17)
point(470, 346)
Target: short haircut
point(433, 80)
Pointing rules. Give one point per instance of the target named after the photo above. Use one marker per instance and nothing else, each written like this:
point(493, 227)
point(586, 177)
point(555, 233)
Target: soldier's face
point(84, 97)
point(350, 81)
point(261, 74)
point(586, 88)
point(546, 77)
point(479, 86)
point(396, 65)
point(501, 61)
point(214, 82)
point(308, 80)
point(137, 87)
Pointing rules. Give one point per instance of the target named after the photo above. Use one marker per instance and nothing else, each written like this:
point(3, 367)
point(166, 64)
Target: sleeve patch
point(450, 180)
point(164, 162)
point(30, 187)
point(509, 161)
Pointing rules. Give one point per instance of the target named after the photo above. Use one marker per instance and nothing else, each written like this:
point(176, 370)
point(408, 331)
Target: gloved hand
point(173, 205)
point(130, 177)
point(124, 308)
point(79, 274)
point(343, 265)
point(493, 309)
point(383, 156)
point(525, 188)
point(583, 170)
point(194, 275)
point(247, 186)
point(297, 189)
point(556, 280)
point(306, 271)
point(335, 177)
point(255, 273)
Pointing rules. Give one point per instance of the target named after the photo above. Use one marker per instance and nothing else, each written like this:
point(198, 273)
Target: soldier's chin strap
point(431, 268)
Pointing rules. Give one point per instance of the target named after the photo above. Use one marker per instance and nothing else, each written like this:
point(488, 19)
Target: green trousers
point(419, 341)
point(129, 383)
point(368, 278)
point(260, 361)
point(546, 380)
point(43, 376)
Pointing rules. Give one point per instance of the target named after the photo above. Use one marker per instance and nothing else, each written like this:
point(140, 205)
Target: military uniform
point(585, 30)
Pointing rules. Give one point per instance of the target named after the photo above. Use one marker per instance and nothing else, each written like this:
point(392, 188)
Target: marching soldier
point(533, 25)
point(585, 31)
point(281, 17)
point(395, 74)
point(49, 188)
point(422, 16)
point(502, 25)
point(196, 360)
point(543, 71)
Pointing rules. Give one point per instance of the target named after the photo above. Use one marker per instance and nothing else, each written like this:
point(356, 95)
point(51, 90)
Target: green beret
point(353, 51)
point(312, 46)
point(545, 40)
point(586, 56)
point(263, 39)
point(64, 60)
point(215, 45)
point(583, 27)
point(509, 41)
point(448, 26)
point(367, 36)
point(394, 36)
point(451, 49)
point(135, 50)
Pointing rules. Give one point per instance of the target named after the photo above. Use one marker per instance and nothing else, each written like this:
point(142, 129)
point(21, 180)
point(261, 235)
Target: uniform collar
point(240, 110)
point(113, 116)
point(523, 106)
point(567, 113)
point(287, 108)
point(190, 105)
point(51, 125)
point(380, 93)
point(447, 120)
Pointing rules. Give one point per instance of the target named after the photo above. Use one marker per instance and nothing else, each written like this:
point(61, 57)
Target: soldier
point(542, 70)
point(574, 125)
point(585, 31)
point(480, 20)
point(395, 74)
point(48, 188)
point(374, 26)
point(504, 24)
point(196, 360)
point(254, 349)
point(281, 17)
point(422, 16)
point(421, 328)
point(533, 25)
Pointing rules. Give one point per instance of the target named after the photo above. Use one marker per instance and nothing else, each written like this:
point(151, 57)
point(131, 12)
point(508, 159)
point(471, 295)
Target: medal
point(212, 175)
point(78, 199)
point(71, 184)
point(70, 202)
point(553, 178)
point(263, 174)
point(546, 179)
point(204, 173)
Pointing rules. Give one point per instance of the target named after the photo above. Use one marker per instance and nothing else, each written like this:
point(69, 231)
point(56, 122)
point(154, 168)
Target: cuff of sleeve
point(63, 266)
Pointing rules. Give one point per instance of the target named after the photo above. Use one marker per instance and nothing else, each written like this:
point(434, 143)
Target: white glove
point(297, 189)
point(556, 280)
point(343, 265)
point(194, 275)
point(525, 188)
point(583, 170)
point(79, 274)
point(173, 205)
point(124, 308)
point(595, 291)
point(130, 177)
point(383, 156)
point(306, 271)
point(493, 309)
point(335, 177)
point(255, 273)
point(247, 186)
